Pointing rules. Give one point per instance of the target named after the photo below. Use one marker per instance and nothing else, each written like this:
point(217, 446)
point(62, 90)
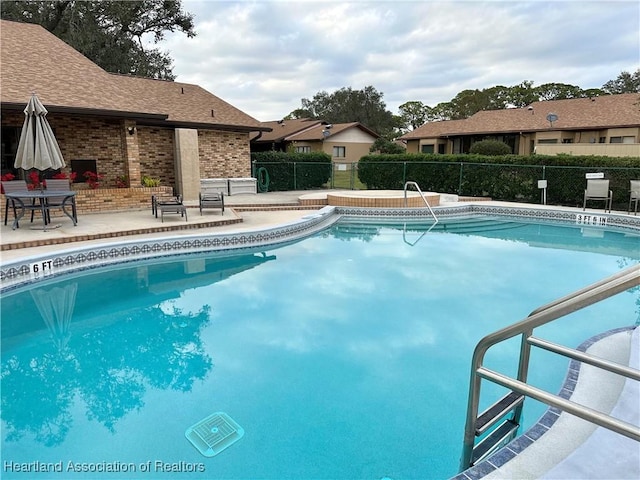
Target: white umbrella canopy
point(38, 147)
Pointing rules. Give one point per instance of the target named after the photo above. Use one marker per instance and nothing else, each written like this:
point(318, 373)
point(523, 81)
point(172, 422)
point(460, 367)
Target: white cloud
point(265, 56)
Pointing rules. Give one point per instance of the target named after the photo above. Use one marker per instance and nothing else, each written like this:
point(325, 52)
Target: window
point(622, 140)
point(545, 141)
point(339, 152)
point(567, 140)
point(81, 166)
point(305, 149)
point(427, 148)
point(441, 147)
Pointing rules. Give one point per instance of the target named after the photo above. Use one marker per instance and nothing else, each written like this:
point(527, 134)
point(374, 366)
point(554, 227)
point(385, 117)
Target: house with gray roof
point(115, 125)
point(607, 125)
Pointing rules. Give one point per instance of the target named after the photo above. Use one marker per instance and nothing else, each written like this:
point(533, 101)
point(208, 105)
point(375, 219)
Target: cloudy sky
point(264, 56)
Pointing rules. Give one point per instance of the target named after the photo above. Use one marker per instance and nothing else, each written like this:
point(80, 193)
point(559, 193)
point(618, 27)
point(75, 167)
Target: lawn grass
point(346, 179)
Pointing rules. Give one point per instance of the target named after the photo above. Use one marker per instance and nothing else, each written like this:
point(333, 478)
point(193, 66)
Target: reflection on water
point(46, 372)
point(56, 308)
point(351, 341)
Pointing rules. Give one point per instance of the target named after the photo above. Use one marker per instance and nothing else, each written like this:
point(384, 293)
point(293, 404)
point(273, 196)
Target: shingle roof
point(284, 128)
point(316, 133)
point(34, 60)
point(607, 111)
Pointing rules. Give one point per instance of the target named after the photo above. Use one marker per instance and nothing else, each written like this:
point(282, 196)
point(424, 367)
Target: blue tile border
point(18, 273)
point(519, 445)
point(555, 214)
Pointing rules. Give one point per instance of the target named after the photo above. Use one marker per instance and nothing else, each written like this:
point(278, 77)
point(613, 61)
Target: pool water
point(342, 356)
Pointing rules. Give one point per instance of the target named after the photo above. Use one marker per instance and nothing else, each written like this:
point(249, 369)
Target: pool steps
point(474, 451)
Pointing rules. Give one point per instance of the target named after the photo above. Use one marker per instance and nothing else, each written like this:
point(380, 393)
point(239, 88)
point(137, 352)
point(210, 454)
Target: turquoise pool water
point(343, 356)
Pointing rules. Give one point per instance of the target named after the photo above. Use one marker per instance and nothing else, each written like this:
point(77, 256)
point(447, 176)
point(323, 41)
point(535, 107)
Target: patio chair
point(17, 186)
point(56, 185)
point(634, 195)
point(598, 190)
point(168, 204)
point(210, 198)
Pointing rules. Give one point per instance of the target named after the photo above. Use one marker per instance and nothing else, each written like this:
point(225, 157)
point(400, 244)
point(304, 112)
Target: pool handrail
point(407, 184)
point(594, 293)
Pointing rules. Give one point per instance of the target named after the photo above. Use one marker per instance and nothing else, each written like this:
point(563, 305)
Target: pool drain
point(213, 434)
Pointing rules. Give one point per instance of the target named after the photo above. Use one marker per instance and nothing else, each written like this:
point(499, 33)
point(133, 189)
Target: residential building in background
point(345, 142)
point(607, 125)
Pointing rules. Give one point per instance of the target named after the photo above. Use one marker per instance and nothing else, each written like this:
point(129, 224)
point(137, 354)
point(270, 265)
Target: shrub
point(93, 179)
point(507, 177)
point(122, 181)
point(63, 176)
point(150, 182)
point(490, 148)
point(382, 145)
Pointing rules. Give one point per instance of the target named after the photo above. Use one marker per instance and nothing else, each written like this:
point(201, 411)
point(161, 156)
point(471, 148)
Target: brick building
point(115, 125)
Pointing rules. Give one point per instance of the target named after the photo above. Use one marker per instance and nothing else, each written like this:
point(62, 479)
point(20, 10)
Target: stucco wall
point(599, 149)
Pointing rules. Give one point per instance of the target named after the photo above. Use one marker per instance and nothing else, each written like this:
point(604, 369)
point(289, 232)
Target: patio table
point(42, 196)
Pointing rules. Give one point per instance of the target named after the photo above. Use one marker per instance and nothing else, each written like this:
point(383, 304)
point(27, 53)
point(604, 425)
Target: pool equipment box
point(243, 185)
point(217, 185)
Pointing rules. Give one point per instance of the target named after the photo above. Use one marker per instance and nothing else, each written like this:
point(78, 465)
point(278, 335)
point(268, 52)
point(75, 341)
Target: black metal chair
point(211, 199)
point(17, 186)
point(168, 204)
point(53, 185)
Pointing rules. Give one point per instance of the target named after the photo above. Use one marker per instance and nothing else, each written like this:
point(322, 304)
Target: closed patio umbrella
point(38, 147)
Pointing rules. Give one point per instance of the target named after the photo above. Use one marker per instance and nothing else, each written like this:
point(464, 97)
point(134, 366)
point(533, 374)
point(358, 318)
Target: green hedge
point(293, 171)
point(511, 178)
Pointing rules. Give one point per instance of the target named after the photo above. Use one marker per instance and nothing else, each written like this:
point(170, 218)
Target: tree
point(382, 145)
point(625, 83)
point(110, 33)
point(522, 94)
point(468, 102)
point(413, 114)
point(557, 91)
point(348, 105)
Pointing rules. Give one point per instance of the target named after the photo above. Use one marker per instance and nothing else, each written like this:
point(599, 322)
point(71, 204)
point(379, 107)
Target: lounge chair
point(168, 204)
point(210, 197)
point(598, 190)
point(634, 195)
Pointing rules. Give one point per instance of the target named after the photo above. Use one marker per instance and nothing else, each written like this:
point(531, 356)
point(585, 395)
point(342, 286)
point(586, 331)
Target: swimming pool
point(344, 355)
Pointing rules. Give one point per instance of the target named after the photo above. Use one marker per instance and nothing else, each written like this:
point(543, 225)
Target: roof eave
point(90, 112)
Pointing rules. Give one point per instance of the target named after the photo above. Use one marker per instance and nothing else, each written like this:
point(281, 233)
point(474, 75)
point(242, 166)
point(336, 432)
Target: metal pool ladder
point(435, 219)
point(492, 422)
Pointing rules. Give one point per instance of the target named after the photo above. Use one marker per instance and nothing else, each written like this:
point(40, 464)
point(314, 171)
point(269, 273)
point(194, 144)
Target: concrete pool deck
point(242, 213)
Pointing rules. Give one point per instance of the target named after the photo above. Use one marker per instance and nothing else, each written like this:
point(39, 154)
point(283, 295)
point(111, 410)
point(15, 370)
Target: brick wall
point(109, 200)
point(156, 149)
point(221, 154)
point(224, 154)
point(85, 138)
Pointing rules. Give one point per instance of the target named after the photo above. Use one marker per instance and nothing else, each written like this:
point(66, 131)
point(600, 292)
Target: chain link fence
point(505, 182)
